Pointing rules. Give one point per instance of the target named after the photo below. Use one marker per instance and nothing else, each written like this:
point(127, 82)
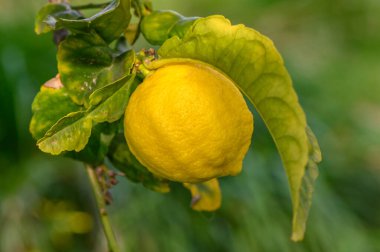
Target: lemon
point(188, 122)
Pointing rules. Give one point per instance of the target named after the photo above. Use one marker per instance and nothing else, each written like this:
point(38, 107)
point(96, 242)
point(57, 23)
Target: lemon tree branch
point(101, 205)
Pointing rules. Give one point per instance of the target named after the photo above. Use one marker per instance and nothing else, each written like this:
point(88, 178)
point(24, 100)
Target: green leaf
point(109, 102)
point(121, 66)
point(109, 23)
point(253, 63)
point(122, 158)
point(112, 21)
point(50, 104)
point(160, 25)
point(156, 26)
point(72, 132)
point(86, 63)
point(49, 15)
point(69, 133)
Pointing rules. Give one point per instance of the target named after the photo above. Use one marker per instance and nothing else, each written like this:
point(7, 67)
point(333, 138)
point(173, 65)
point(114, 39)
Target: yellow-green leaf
point(254, 64)
point(70, 133)
point(206, 196)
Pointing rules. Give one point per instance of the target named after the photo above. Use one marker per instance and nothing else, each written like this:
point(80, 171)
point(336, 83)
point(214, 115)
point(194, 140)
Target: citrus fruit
point(188, 122)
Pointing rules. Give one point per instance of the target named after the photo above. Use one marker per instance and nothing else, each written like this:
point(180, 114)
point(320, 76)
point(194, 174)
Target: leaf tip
point(297, 236)
point(48, 148)
point(54, 83)
point(206, 196)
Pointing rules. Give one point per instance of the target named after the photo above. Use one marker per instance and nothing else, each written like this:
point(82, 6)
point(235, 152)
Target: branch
point(101, 205)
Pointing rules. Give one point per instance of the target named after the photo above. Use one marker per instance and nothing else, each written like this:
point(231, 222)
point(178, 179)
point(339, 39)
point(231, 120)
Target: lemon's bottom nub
point(188, 122)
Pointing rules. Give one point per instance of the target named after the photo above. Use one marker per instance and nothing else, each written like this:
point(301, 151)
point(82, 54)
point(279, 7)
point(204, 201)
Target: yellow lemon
point(188, 122)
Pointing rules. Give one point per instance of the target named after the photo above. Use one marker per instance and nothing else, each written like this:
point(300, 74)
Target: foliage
point(328, 48)
point(96, 76)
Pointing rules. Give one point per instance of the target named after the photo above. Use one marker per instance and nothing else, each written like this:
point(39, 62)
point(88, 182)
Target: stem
point(90, 6)
point(142, 8)
point(100, 202)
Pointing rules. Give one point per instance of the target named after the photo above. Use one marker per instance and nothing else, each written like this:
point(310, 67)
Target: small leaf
point(122, 158)
point(51, 104)
point(206, 196)
point(132, 33)
point(109, 23)
point(253, 63)
point(156, 26)
point(69, 133)
point(49, 14)
point(86, 63)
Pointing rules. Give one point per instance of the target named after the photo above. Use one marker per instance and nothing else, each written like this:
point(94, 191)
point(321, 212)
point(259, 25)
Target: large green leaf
point(109, 23)
point(86, 63)
point(72, 132)
point(123, 159)
point(253, 63)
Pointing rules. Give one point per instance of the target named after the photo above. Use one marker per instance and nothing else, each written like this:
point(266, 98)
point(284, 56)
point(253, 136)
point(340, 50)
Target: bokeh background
point(332, 50)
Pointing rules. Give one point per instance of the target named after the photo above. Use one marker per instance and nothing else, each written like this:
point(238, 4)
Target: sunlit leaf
point(50, 104)
point(206, 196)
point(86, 63)
point(253, 63)
point(69, 133)
point(122, 158)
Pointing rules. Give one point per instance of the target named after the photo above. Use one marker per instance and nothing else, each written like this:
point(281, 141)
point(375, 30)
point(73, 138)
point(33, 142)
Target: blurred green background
point(332, 50)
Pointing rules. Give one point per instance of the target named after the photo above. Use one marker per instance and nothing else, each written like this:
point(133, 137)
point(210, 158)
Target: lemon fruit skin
point(188, 123)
